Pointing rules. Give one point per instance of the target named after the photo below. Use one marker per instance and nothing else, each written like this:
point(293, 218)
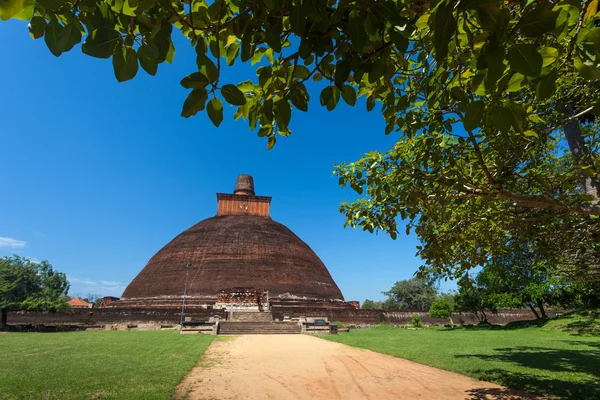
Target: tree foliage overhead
point(487, 98)
point(27, 285)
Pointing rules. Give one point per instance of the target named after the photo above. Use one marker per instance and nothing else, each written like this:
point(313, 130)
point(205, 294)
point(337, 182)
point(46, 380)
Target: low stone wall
point(108, 315)
point(374, 317)
point(172, 315)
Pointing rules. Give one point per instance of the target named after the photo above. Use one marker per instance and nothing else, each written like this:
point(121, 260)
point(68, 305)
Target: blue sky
point(98, 175)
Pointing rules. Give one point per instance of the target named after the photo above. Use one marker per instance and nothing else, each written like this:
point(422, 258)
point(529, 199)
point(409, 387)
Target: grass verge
point(538, 359)
point(96, 365)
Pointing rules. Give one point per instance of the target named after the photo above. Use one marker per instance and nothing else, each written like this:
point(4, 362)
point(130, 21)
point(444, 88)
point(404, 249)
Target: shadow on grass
point(534, 384)
point(499, 394)
point(582, 361)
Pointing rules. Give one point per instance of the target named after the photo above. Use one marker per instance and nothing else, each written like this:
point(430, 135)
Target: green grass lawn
point(539, 359)
point(96, 365)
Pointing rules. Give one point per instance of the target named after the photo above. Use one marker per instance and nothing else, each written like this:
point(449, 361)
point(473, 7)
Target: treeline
point(493, 288)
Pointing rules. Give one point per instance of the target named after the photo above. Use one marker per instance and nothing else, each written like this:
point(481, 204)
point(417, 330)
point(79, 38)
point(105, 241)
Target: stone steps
point(250, 316)
point(246, 328)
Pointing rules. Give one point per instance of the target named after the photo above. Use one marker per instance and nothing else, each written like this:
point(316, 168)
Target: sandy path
point(285, 367)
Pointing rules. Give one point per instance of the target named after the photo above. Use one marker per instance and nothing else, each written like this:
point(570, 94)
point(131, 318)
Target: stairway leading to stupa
point(249, 316)
point(255, 322)
point(247, 328)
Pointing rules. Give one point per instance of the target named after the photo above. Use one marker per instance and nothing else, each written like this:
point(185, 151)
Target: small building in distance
point(78, 302)
point(106, 300)
point(355, 304)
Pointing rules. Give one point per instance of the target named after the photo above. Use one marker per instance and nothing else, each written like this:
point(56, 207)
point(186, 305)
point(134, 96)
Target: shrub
point(416, 321)
point(441, 308)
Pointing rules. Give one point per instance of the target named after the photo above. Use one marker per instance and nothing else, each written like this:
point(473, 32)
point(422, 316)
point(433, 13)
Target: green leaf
point(11, 8)
point(148, 59)
point(356, 30)
point(500, 119)
point(400, 41)
point(69, 37)
point(587, 71)
point(298, 20)
point(516, 83)
point(376, 71)
point(197, 80)
point(129, 7)
point(232, 53)
point(299, 99)
point(194, 102)
point(102, 43)
point(342, 71)
point(37, 27)
point(530, 133)
point(549, 55)
point(517, 115)
point(125, 64)
point(215, 111)
point(349, 95)
point(593, 35)
point(283, 113)
point(525, 59)
point(444, 26)
point(52, 37)
point(27, 12)
point(546, 86)
point(207, 67)
point(271, 142)
point(170, 52)
point(233, 95)
point(489, 15)
point(330, 96)
point(459, 95)
point(265, 130)
point(538, 21)
point(473, 115)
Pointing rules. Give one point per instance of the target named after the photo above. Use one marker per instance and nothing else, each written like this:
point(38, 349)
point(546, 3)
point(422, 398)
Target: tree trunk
point(580, 154)
point(540, 305)
point(537, 316)
point(3, 316)
point(485, 321)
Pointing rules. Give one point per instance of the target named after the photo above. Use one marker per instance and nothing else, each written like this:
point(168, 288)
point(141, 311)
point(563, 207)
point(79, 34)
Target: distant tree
point(441, 308)
point(474, 297)
point(372, 305)
point(95, 299)
point(524, 277)
point(412, 293)
point(27, 285)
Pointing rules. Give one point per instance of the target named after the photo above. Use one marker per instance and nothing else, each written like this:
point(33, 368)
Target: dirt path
point(285, 367)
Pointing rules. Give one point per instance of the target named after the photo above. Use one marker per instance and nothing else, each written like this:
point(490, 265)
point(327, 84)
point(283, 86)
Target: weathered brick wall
point(241, 296)
point(373, 317)
point(108, 315)
point(233, 204)
point(172, 315)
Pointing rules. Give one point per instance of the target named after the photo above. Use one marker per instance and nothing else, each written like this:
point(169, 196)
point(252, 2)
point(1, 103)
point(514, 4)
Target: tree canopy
point(411, 294)
point(487, 98)
point(28, 285)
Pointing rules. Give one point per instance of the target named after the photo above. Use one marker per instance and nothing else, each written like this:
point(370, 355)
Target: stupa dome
point(239, 247)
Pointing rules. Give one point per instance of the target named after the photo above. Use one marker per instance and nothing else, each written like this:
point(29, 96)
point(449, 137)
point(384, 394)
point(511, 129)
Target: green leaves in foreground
point(330, 96)
point(233, 95)
point(194, 103)
point(125, 64)
point(215, 111)
point(406, 61)
point(102, 43)
point(525, 59)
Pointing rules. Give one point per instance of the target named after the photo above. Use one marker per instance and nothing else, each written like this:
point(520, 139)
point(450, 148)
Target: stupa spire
point(244, 185)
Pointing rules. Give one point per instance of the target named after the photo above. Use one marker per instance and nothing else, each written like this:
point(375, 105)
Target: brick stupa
point(239, 247)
